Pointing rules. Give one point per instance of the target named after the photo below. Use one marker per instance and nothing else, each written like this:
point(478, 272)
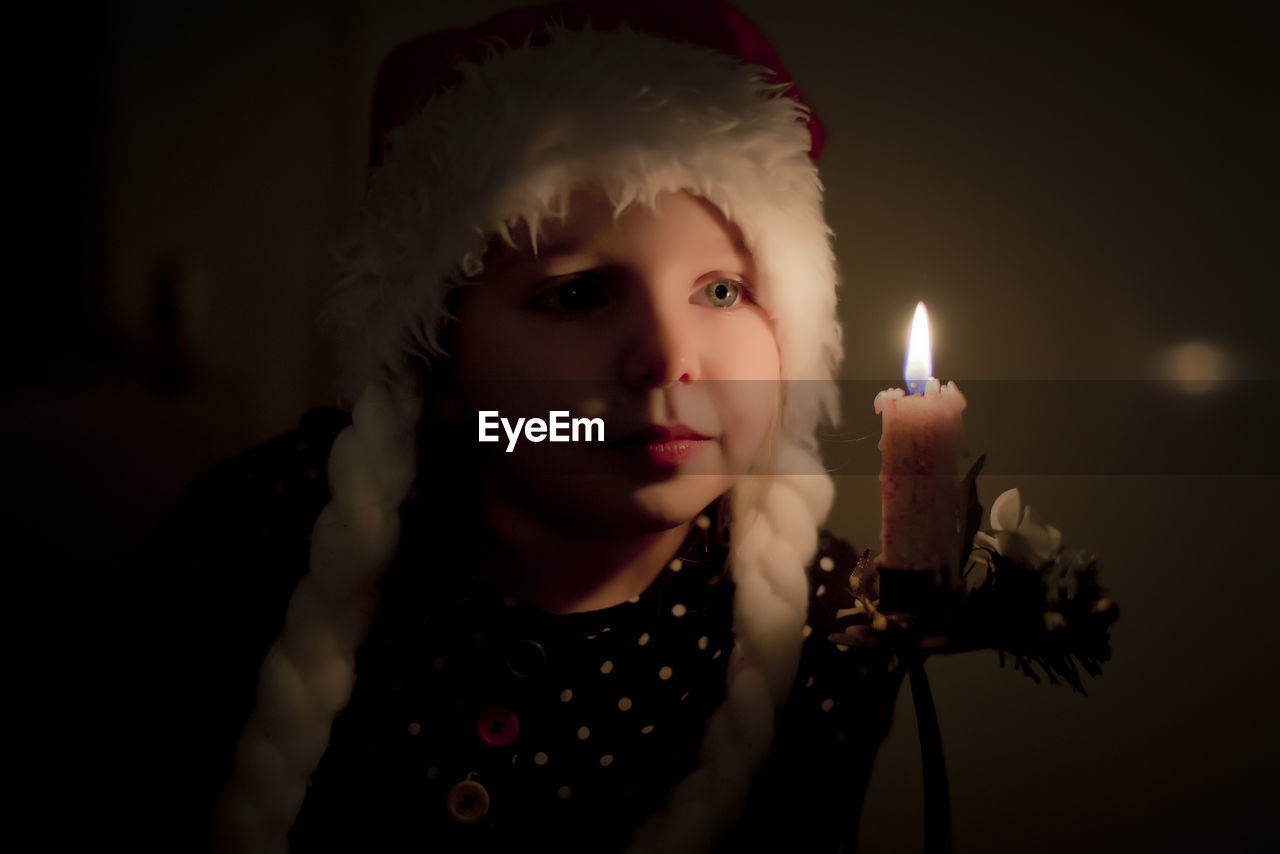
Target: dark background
point(1083, 194)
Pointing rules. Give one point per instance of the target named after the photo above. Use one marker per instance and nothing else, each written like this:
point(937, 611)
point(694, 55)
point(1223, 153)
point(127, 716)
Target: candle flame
point(919, 366)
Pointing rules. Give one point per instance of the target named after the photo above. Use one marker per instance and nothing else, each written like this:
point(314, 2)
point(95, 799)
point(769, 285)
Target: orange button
point(467, 802)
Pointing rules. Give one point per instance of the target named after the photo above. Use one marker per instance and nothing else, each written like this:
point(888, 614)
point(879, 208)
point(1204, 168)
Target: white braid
point(308, 674)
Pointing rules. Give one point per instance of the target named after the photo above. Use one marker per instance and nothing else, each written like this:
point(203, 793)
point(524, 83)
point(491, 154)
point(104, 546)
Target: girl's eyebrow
point(524, 258)
point(548, 253)
point(553, 251)
point(738, 251)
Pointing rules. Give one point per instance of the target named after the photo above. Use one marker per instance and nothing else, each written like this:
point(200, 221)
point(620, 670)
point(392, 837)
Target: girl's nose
point(660, 350)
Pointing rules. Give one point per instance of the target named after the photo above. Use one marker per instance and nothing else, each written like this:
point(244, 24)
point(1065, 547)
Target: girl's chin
point(620, 503)
point(680, 498)
point(611, 507)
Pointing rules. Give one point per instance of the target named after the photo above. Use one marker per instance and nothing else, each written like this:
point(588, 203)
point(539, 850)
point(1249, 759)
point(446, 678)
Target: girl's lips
point(668, 446)
point(675, 452)
point(672, 433)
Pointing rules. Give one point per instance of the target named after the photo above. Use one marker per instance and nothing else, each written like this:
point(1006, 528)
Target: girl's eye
point(724, 293)
point(576, 295)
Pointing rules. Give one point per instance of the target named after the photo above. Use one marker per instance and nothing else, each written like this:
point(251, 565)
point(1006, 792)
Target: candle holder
point(1045, 610)
point(920, 592)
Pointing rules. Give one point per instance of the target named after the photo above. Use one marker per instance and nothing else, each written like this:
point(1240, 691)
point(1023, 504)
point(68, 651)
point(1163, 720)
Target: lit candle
point(922, 513)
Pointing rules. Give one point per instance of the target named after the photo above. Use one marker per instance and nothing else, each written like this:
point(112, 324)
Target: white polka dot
point(676, 565)
point(438, 662)
point(415, 728)
point(703, 642)
point(664, 674)
point(806, 631)
point(822, 588)
point(624, 703)
point(539, 758)
point(679, 610)
point(702, 522)
point(645, 730)
point(583, 733)
point(643, 639)
point(564, 792)
point(566, 695)
point(827, 564)
point(808, 683)
point(828, 704)
point(716, 654)
point(433, 772)
point(634, 599)
point(606, 760)
point(607, 667)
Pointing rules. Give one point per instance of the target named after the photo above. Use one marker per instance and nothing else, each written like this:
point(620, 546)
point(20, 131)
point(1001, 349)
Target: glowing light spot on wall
point(1198, 367)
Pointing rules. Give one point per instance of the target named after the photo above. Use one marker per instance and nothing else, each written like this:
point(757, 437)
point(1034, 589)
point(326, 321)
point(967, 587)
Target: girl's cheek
point(748, 409)
point(746, 347)
point(756, 364)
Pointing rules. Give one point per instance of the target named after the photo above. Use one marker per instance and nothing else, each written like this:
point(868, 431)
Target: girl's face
point(648, 323)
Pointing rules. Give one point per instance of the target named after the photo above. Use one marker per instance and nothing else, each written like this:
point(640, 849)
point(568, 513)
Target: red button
point(497, 727)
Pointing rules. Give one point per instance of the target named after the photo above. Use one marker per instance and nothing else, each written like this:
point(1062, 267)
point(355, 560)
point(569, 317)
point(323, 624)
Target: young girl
point(425, 641)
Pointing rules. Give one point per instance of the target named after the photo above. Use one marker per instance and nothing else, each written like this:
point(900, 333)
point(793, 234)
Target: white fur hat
point(637, 115)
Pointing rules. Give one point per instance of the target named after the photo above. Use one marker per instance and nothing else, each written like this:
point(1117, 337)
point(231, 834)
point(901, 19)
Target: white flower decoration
point(1019, 535)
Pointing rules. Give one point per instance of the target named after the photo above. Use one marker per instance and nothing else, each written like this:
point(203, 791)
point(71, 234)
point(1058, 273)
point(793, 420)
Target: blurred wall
point(1079, 193)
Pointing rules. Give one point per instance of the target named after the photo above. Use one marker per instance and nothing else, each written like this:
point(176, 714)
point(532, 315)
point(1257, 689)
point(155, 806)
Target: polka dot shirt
point(479, 722)
point(562, 721)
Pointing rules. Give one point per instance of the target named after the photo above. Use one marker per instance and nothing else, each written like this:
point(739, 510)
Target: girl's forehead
point(674, 222)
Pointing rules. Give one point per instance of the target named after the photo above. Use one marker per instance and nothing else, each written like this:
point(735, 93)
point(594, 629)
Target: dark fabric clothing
point(573, 727)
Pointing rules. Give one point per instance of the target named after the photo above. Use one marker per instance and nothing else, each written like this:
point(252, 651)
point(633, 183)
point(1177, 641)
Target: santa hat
point(476, 133)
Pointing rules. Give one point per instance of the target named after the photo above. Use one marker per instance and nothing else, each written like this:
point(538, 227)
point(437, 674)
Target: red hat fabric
point(413, 72)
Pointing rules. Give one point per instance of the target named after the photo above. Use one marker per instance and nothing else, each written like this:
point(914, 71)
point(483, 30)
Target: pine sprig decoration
point(1037, 602)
